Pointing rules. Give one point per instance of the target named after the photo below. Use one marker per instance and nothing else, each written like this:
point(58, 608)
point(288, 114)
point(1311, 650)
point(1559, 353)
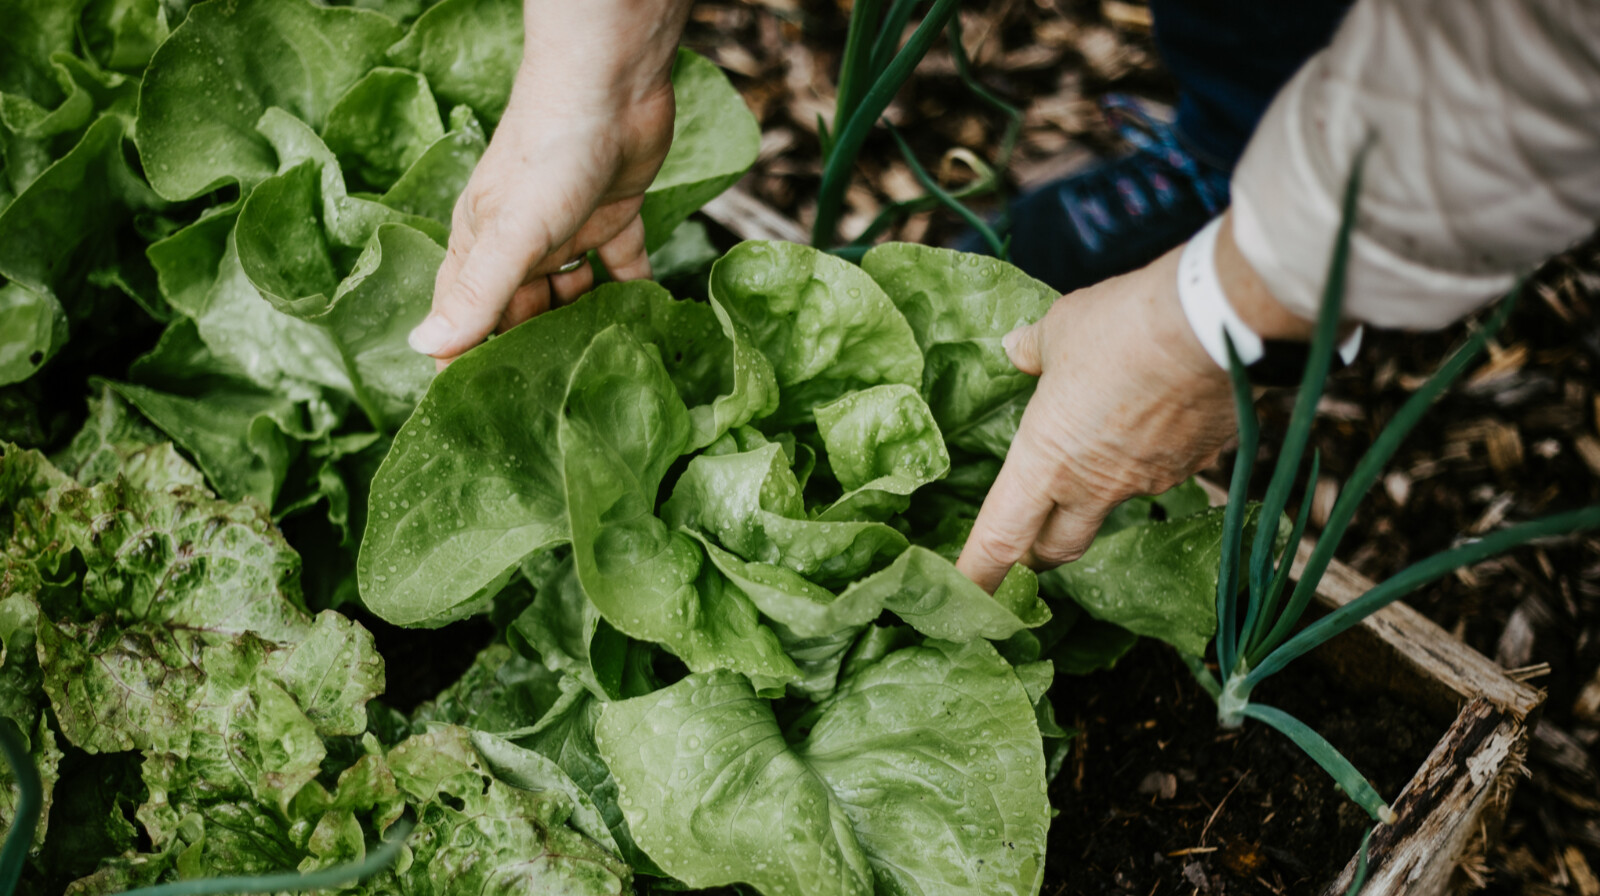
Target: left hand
point(588, 125)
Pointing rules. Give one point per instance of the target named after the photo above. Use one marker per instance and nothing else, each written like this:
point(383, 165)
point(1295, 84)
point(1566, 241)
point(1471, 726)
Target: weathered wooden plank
point(751, 219)
point(1450, 670)
point(1464, 783)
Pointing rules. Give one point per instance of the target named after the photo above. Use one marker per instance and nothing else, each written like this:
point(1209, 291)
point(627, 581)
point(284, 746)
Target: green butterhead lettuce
point(228, 63)
point(923, 774)
point(827, 328)
point(445, 526)
point(959, 306)
point(751, 503)
point(622, 425)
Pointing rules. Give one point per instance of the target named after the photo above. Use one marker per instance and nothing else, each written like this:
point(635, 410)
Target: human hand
point(1128, 404)
point(588, 124)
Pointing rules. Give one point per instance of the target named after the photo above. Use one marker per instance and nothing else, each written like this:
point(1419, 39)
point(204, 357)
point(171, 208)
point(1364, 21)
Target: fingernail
point(1009, 341)
point(433, 334)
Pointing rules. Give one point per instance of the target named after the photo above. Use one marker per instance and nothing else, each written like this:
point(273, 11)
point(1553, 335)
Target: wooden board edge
point(1466, 780)
point(1429, 649)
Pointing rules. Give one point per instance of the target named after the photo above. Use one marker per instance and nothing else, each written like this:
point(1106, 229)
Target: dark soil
point(1156, 798)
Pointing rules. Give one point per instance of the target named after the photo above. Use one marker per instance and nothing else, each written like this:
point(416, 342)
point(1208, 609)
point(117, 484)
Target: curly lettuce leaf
point(183, 637)
point(923, 774)
point(115, 442)
point(496, 818)
point(499, 693)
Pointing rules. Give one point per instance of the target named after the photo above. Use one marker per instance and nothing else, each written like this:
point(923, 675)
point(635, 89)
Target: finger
point(566, 288)
point(1066, 535)
point(529, 299)
point(1012, 514)
point(466, 308)
point(1022, 347)
point(624, 255)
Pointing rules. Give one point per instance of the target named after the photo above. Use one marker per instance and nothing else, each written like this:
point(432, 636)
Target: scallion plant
point(1258, 638)
point(872, 71)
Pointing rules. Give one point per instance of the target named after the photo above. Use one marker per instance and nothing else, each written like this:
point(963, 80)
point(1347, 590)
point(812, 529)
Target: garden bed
point(1158, 799)
point(1397, 667)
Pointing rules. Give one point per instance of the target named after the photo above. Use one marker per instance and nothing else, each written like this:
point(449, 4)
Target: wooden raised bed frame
point(1453, 806)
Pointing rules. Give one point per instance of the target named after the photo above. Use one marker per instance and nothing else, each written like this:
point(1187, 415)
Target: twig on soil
point(1218, 811)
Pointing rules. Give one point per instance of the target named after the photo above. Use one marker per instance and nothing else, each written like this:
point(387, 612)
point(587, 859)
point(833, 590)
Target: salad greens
point(714, 538)
point(738, 521)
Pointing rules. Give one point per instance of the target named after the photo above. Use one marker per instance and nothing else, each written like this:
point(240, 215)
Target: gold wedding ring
point(571, 266)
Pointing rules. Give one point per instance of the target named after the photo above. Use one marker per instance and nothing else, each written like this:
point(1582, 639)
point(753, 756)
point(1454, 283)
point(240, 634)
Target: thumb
point(1022, 347)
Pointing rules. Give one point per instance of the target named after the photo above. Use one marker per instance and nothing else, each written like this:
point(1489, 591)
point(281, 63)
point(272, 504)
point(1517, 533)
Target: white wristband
point(1210, 313)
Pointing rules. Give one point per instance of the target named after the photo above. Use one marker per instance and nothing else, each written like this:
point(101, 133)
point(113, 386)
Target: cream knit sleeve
point(1486, 121)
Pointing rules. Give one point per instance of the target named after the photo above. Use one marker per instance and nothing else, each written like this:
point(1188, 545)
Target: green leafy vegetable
point(445, 526)
point(959, 306)
point(827, 328)
point(468, 50)
point(713, 142)
point(621, 426)
point(922, 774)
point(713, 535)
point(228, 63)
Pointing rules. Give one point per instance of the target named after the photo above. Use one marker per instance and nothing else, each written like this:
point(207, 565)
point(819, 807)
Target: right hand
point(1128, 404)
point(565, 173)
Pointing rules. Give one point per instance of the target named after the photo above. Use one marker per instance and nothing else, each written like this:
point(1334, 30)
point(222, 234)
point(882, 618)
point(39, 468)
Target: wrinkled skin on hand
point(588, 125)
point(1128, 404)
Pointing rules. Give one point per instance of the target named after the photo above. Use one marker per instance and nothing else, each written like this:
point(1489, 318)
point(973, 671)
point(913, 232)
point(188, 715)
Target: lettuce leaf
point(924, 773)
point(824, 325)
point(959, 306)
point(622, 425)
point(444, 526)
point(229, 62)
